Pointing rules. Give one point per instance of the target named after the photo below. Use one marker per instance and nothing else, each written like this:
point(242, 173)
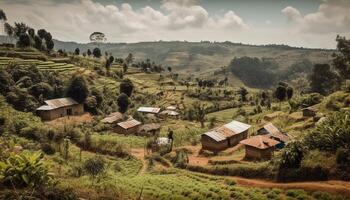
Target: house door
point(69, 111)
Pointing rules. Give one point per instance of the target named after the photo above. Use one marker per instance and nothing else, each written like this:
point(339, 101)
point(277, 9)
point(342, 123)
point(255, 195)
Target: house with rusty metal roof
point(271, 131)
point(224, 136)
point(151, 129)
point(149, 110)
point(130, 126)
point(259, 147)
point(56, 108)
point(114, 117)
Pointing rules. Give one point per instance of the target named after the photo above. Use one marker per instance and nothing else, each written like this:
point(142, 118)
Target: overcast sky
point(308, 23)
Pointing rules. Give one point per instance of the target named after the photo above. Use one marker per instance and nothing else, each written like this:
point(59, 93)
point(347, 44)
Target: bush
point(25, 170)
point(332, 134)
point(48, 149)
point(94, 166)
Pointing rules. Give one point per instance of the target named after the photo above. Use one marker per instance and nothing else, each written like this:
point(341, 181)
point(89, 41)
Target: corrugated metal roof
point(129, 123)
point(171, 108)
point(113, 117)
point(150, 127)
point(260, 142)
point(62, 102)
point(217, 136)
point(45, 107)
point(275, 133)
point(148, 110)
point(169, 112)
point(237, 127)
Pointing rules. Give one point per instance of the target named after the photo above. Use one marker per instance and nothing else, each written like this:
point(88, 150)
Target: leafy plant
point(25, 170)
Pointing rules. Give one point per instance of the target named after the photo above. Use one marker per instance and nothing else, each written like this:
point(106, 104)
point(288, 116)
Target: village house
point(169, 113)
point(56, 108)
point(225, 136)
point(149, 110)
point(271, 131)
point(309, 112)
point(259, 147)
point(152, 129)
point(130, 126)
point(112, 118)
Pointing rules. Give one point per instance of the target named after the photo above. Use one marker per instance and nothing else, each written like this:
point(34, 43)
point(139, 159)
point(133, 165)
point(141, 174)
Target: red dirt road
point(332, 186)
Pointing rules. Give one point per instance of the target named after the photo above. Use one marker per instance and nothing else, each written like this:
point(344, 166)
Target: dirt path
point(332, 186)
point(140, 154)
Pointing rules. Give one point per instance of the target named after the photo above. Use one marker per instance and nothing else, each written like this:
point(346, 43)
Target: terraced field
point(42, 65)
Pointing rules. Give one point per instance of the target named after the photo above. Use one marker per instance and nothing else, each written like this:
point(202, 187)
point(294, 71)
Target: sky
point(306, 23)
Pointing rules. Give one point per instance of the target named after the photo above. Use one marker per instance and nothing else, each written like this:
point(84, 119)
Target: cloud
point(77, 19)
point(332, 16)
point(292, 14)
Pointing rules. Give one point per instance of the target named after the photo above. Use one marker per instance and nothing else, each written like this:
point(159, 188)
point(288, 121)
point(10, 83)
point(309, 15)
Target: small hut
point(149, 110)
point(56, 108)
point(309, 112)
point(259, 147)
point(114, 117)
point(169, 113)
point(130, 126)
point(225, 136)
point(151, 129)
point(213, 141)
point(273, 132)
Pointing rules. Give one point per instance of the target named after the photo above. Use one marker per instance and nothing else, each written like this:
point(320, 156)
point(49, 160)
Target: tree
point(109, 62)
point(126, 87)
point(38, 43)
point(31, 32)
point(88, 52)
point(281, 93)
point(49, 45)
point(129, 59)
point(20, 28)
point(9, 30)
point(2, 15)
point(169, 69)
point(289, 92)
point(243, 92)
point(24, 40)
point(42, 33)
point(97, 52)
point(123, 102)
point(77, 89)
point(77, 51)
point(199, 111)
point(341, 59)
point(323, 79)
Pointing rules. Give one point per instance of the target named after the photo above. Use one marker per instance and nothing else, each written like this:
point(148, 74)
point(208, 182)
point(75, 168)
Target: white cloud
point(76, 20)
point(292, 13)
point(332, 16)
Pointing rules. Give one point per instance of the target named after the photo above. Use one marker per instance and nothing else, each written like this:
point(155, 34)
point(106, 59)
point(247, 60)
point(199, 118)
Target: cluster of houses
point(258, 147)
point(261, 146)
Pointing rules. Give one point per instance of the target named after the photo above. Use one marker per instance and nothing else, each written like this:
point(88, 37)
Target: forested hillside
point(204, 58)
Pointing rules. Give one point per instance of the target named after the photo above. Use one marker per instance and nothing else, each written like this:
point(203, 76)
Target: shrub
point(24, 170)
point(48, 149)
point(94, 166)
point(332, 134)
